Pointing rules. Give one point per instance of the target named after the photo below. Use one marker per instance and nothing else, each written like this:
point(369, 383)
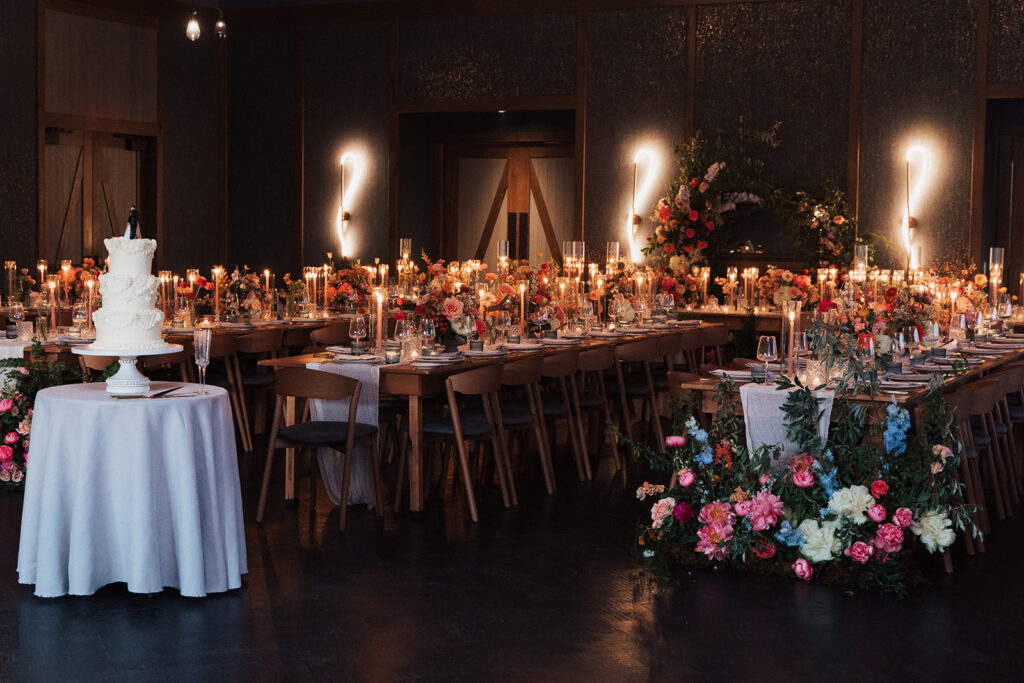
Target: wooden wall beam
point(978, 144)
point(580, 129)
point(1005, 91)
point(855, 110)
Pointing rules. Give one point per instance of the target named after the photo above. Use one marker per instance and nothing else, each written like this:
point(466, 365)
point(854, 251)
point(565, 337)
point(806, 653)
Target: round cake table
point(143, 491)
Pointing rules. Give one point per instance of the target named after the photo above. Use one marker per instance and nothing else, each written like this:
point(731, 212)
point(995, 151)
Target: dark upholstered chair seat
point(323, 432)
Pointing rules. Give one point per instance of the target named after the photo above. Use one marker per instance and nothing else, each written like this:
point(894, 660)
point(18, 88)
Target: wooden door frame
point(488, 147)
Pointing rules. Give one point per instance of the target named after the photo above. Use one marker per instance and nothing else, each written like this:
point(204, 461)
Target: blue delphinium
point(790, 536)
point(829, 481)
point(897, 424)
point(705, 457)
point(825, 512)
point(695, 431)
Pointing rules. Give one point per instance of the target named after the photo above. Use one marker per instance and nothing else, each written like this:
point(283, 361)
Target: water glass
point(357, 330)
point(201, 338)
point(427, 331)
point(767, 351)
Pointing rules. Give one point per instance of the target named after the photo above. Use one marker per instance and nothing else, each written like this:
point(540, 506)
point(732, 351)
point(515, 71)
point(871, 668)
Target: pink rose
point(765, 549)
point(803, 570)
point(859, 552)
point(903, 517)
point(686, 478)
point(675, 441)
point(876, 513)
point(936, 467)
point(743, 508)
point(17, 475)
point(12, 437)
point(764, 479)
point(889, 538)
point(803, 479)
point(451, 308)
point(6, 404)
point(6, 453)
point(661, 511)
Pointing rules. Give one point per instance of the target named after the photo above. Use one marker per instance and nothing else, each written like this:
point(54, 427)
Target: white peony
point(883, 343)
point(935, 530)
point(780, 296)
point(787, 276)
point(853, 501)
point(820, 542)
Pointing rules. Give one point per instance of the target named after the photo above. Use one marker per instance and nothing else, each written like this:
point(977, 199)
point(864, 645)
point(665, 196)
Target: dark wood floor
point(545, 592)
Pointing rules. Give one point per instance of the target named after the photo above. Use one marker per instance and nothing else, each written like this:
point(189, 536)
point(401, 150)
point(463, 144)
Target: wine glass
point(357, 330)
point(201, 338)
point(427, 331)
point(866, 352)
point(911, 339)
point(79, 315)
point(503, 321)
point(16, 311)
point(767, 350)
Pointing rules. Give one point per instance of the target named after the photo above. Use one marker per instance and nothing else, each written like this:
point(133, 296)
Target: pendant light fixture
point(192, 28)
point(220, 27)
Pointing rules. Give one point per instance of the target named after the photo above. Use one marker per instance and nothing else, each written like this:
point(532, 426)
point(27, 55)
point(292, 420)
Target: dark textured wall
point(636, 71)
point(786, 62)
point(347, 108)
point(188, 98)
point(264, 154)
point(18, 151)
point(510, 56)
point(917, 88)
point(1006, 42)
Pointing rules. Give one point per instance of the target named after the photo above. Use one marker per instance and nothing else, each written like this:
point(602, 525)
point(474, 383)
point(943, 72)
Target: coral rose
point(451, 308)
point(765, 549)
point(693, 215)
point(803, 570)
point(879, 488)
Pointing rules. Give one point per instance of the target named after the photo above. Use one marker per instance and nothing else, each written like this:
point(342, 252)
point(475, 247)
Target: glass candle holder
point(996, 257)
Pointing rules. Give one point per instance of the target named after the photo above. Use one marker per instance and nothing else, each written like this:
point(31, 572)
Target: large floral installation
point(824, 231)
point(851, 510)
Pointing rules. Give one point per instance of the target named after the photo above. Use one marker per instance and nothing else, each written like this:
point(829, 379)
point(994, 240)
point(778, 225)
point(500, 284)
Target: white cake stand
point(127, 381)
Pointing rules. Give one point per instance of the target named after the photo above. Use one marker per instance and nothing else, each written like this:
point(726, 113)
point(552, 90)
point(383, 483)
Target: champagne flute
point(201, 338)
point(767, 350)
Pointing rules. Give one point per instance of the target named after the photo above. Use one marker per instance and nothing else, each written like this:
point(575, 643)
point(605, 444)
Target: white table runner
point(360, 489)
point(762, 415)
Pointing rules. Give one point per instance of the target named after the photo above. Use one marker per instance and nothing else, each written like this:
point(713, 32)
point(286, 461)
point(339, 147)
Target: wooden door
point(519, 192)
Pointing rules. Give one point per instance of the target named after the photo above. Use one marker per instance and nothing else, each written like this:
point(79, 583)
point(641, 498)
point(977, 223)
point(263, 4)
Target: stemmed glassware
point(79, 315)
point(357, 330)
point(427, 331)
point(767, 350)
point(201, 338)
point(503, 321)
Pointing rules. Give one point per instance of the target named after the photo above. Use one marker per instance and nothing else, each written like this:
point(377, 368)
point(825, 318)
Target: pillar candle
point(522, 311)
point(380, 322)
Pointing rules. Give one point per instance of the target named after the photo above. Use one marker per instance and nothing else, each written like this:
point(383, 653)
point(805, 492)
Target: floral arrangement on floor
point(450, 303)
point(779, 285)
point(244, 296)
point(850, 511)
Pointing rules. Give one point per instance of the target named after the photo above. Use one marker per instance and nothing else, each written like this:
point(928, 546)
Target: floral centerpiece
point(292, 291)
point(348, 288)
point(450, 303)
point(198, 295)
point(244, 294)
point(779, 285)
point(849, 510)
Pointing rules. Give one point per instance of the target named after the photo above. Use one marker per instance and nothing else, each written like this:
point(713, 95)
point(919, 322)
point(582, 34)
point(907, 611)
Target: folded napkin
point(762, 415)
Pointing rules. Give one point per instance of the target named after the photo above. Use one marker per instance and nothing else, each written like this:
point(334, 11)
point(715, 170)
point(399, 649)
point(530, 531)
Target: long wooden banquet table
point(765, 322)
point(416, 384)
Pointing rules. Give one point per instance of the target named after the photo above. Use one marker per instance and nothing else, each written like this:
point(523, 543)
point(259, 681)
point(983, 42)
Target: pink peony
point(803, 570)
point(879, 488)
point(876, 513)
point(803, 479)
point(743, 508)
point(675, 441)
point(711, 538)
point(903, 517)
point(765, 509)
point(764, 479)
point(889, 538)
point(661, 511)
point(718, 512)
point(12, 437)
point(6, 453)
point(682, 512)
point(451, 308)
point(686, 478)
point(859, 552)
point(17, 475)
point(6, 404)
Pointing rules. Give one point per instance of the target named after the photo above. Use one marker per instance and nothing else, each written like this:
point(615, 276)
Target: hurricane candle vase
point(790, 334)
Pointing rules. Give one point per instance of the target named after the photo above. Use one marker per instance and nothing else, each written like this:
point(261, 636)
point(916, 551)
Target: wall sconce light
point(220, 27)
point(913, 197)
point(192, 28)
point(350, 169)
point(639, 193)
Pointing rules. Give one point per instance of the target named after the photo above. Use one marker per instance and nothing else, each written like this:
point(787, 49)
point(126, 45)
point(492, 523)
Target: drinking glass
point(911, 339)
point(503, 321)
point(16, 312)
point(427, 331)
point(201, 338)
point(767, 350)
point(357, 330)
point(79, 315)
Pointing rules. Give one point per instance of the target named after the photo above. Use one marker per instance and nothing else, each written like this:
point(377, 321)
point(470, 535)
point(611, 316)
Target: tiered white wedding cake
point(128, 320)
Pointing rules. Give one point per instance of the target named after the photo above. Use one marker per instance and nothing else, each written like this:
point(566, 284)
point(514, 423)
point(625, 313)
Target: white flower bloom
point(787, 276)
point(853, 501)
point(935, 530)
point(883, 343)
point(820, 542)
point(713, 171)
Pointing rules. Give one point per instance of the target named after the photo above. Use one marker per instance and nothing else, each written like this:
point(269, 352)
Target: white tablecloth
point(12, 348)
point(762, 415)
point(143, 491)
point(360, 489)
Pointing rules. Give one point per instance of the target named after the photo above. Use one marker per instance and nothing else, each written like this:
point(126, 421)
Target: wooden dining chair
point(521, 416)
point(715, 337)
point(594, 399)
point(638, 386)
point(986, 442)
point(95, 366)
point(177, 363)
point(300, 383)
point(958, 403)
point(459, 426)
point(335, 334)
point(560, 369)
point(258, 381)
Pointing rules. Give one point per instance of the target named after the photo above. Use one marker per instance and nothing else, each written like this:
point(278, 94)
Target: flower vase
point(290, 306)
point(790, 336)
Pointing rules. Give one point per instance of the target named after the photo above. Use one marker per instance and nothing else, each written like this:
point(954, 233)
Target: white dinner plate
point(366, 359)
point(523, 347)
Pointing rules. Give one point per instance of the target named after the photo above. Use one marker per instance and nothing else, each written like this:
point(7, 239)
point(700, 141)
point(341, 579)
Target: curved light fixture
point(192, 28)
point(351, 170)
point(641, 188)
point(914, 193)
